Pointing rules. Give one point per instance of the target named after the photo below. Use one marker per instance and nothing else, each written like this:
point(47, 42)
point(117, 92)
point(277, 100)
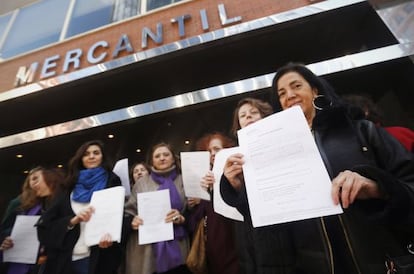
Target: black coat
point(59, 241)
point(359, 240)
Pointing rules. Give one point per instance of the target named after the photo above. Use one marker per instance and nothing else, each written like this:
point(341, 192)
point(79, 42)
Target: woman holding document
point(221, 250)
point(164, 256)
point(372, 178)
point(61, 228)
point(39, 189)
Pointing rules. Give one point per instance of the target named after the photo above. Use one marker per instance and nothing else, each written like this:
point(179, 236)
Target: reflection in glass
point(400, 20)
point(124, 9)
point(153, 4)
point(4, 20)
point(90, 14)
point(35, 26)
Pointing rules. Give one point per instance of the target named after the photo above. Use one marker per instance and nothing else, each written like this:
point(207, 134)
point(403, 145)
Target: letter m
point(24, 75)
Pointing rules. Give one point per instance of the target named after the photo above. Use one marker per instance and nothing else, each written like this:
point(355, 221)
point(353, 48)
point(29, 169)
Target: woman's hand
point(82, 216)
point(7, 243)
point(233, 170)
point(136, 222)
point(106, 241)
point(175, 216)
point(192, 202)
point(208, 180)
point(348, 186)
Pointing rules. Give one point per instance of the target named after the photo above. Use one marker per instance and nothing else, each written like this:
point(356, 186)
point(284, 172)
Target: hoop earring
point(322, 102)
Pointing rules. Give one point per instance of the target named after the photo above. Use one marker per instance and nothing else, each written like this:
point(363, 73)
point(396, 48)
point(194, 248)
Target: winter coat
point(140, 259)
point(369, 231)
point(59, 239)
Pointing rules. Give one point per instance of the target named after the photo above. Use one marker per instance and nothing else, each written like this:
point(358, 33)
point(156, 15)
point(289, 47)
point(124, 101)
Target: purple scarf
point(89, 180)
point(18, 268)
point(168, 254)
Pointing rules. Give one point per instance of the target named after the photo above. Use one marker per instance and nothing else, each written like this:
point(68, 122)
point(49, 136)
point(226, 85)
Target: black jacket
point(359, 240)
point(59, 241)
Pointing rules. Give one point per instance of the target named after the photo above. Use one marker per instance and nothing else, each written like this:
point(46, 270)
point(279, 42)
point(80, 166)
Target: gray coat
point(140, 259)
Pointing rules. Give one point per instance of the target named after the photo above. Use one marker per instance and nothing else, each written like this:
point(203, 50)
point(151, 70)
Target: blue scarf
point(168, 254)
point(89, 180)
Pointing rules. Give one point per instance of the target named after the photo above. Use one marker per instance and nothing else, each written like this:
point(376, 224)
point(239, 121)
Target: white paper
point(194, 166)
point(25, 244)
point(121, 169)
point(219, 204)
point(285, 177)
point(153, 207)
point(107, 218)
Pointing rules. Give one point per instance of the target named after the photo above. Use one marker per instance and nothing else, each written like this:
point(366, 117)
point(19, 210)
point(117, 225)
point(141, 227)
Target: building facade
point(146, 71)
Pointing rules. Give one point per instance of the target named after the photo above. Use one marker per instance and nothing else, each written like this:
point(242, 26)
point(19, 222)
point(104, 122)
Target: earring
point(319, 102)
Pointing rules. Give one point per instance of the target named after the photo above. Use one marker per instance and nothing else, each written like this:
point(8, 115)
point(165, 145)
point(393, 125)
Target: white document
point(25, 244)
point(153, 208)
point(194, 166)
point(122, 170)
point(285, 177)
point(219, 204)
point(107, 218)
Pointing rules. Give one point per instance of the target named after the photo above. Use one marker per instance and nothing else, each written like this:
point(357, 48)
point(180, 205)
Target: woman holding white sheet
point(166, 256)
point(61, 227)
point(372, 178)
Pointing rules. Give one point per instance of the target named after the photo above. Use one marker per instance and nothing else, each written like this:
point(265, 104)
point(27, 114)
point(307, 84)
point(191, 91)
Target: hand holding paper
point(153, 207)
point(107, 217)
point(218, 203)
point(25, 244)
point(194, 166)
point(285, 177)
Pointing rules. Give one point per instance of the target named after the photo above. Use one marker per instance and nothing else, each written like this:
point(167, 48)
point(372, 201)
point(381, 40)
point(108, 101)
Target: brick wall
point(247, 9)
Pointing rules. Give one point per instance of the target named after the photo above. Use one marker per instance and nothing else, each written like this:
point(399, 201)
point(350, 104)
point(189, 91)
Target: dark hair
point(366, 105)
point(264, 108)
point(131, 171)
point(53, 178)
point(168, 146)
point(76, 164)
point(204, 141)
point(316, 82)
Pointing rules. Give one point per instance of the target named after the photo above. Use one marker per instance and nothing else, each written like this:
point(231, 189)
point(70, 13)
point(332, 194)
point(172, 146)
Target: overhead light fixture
point(187, 142)
point(138, 150)
point(26, 171)
point(110, 136)
point(59, 166)
point(19, 155)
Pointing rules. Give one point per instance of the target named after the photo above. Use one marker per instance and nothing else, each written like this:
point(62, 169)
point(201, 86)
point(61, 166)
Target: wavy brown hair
point(53, 178)
point(169, 147)
point(265, 109)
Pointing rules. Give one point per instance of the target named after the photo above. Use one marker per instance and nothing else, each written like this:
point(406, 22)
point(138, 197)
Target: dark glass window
point(88, 15)
point(35, 26)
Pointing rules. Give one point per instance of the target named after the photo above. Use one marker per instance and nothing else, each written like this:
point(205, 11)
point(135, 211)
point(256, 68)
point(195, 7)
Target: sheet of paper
point(194, 166)
point(25, 244)
point(285, 177)
point(122, 170)
point(153, 207)
point(107, 218)
point(219, 204)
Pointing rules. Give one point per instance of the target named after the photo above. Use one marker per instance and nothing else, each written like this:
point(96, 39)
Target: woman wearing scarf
point(167, 256)
point(38, 191)
point(61, 228)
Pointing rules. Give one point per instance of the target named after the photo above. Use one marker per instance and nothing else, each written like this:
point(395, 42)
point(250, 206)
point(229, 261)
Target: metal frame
point(343, 63)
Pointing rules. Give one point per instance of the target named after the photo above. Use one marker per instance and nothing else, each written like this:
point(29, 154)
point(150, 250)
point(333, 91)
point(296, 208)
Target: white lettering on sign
point(99, 50)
